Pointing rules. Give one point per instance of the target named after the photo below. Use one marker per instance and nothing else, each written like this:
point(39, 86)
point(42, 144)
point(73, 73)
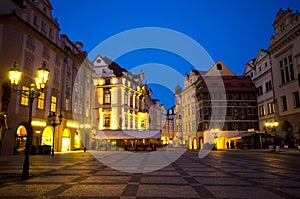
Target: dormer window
point(219, 66)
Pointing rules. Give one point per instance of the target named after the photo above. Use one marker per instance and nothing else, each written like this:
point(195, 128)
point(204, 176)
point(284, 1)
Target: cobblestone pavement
point(80, 175)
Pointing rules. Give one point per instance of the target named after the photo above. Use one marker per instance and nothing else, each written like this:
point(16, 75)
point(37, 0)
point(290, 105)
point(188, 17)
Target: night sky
point(232, 31)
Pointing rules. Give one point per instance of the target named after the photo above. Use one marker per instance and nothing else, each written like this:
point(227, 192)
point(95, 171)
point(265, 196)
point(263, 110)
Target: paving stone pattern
point(80, 175)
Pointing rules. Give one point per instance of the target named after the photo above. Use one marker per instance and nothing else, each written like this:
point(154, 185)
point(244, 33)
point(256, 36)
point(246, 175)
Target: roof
point(229, 83)
point(117, 70)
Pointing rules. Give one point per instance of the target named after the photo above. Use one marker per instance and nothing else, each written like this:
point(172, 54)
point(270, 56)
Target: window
point(136, 102)
point(136, 122)
point(126, 121)
point(131, 100)
point(262, 111)
point(268, 86)
point(28, 63)
point(107, 120)
point(35, 20)
point(259, 68)
point(30, 40)
point(106, 96)
point(271, 108)
point(266, 64)
point(143, 123)
point(67, 104)
point(50, 32)
point(53, 104)
point(287, 69)
point(44, 26)
point(46, 52)
point(24, 99)
point(284, 103)
point(296, 99)
point(259, 90)
point(41, 101)
point(219, 66)
point(126, 98)
point(131, 122)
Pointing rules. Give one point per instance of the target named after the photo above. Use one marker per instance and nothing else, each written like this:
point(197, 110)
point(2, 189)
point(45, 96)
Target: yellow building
point(122, 111)
point(29, 36)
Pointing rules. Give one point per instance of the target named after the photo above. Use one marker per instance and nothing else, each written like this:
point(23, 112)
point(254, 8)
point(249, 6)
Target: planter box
point(285, 146)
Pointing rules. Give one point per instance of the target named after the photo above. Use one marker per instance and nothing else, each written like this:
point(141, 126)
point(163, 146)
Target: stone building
point(185, 109)
point(227, 107)
point(168, 131)
point(259, 70)
point(284, 50)
point(124, 107)
point(29, 36)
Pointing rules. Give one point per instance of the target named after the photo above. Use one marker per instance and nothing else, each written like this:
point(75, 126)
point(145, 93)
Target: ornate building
point(185, 108)
point(123, 105)
point(285, 56)
point(29, 36)
point(227, 107)
point(168, 131)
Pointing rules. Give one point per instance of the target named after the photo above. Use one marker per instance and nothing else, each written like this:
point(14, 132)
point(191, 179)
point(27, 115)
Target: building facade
point(285, 56)
point(227, 108)
point(123, 109)
point(186, 110)
point(259, 70)
point(168, 131)
point(29, 36)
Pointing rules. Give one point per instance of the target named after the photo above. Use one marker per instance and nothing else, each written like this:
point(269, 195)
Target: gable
point(261, 55)
point(219, 69)
point(99, 62)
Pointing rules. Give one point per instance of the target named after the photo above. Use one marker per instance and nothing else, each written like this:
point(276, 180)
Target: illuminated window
point(107, 120)
point(136, 122)
point(53, 104)
point(126, 121)
point(131, 122)
point(143, 123)
point(107, 97)
point(67, 104)
point(126, 98)
point(271, 108)
point(24, 99)
point(41, 101)
point(262, 111)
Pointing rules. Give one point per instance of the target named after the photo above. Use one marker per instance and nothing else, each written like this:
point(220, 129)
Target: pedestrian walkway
point(80, 175)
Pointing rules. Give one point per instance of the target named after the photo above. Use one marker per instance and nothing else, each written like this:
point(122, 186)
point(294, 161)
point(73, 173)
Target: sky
point(232, 31)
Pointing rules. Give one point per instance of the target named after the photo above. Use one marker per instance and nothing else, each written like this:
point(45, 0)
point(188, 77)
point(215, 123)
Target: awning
point(246, 134)
point(128, 134)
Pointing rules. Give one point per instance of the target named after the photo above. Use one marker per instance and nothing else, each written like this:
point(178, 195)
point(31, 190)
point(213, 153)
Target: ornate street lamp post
point(52, 120)
point(34, 92)
point(216, 132)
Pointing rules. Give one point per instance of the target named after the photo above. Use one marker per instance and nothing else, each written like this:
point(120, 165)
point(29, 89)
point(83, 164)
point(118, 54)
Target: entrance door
point(21, 139)
point(65, 142)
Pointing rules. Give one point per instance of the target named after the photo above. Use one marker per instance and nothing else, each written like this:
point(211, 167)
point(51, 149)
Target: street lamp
point(34, 92)
point(271, 125)
point(52, 120)
point(216, 132)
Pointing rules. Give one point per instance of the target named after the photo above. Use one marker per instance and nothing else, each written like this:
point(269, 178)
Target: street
point(221, 174)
